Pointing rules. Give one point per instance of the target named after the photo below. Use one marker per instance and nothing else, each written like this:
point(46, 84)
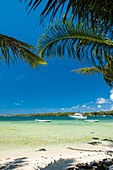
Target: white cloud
point(111, 108)
point(111, 91)
point(99, 106)
point(84, 106)
point(111, 94)
point(111, 97)
point(62, 109)
point(101, 100)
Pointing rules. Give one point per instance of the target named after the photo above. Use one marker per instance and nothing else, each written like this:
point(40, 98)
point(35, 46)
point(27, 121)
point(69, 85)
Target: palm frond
point(106, 71)
point(88, 45)
point(87, 70)
point(98, 12)
point(11, 49)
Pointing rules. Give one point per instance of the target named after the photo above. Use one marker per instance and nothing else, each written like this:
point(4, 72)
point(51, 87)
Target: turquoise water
point(32, 118)
point(53, 118)
point(24, 132)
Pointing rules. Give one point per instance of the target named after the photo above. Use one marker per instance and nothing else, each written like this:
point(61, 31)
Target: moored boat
point(39, 120)
point(78, 116)
point(91, 120)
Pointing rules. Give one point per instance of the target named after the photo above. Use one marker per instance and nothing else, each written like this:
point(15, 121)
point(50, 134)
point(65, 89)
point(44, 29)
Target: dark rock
point(95, 138)
point(109, 153)
point(43, 149)
point(94, 143)
point(84, 166)
point(105, 139)
point(110, 140)
point(94, 163)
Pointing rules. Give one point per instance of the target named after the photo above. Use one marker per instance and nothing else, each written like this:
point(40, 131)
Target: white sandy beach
point(53, 158)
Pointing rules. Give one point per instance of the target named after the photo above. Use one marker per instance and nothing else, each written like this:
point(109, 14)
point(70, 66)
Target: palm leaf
point(87, 70)
point(96, 11)
point(11, 49)
point(82, 45)
point(106, 71)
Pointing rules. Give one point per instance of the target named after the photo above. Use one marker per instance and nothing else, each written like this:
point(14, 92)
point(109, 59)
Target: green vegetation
point(45, 114)
point(101, 113)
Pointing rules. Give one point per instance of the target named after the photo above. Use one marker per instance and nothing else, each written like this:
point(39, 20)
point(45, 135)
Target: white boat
point(78, 116)
point(93, 120)
point(39, 120)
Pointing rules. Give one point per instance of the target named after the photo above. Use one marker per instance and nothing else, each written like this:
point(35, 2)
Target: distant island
point(101, 113)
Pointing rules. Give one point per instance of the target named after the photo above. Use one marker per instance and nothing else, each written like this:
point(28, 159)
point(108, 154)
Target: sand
point(53, 157)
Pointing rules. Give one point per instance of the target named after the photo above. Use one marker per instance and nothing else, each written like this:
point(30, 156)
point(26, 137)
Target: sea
point(23, 132)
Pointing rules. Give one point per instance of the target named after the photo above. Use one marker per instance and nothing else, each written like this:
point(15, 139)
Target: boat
point(78, 116)
point(91, 120)
point(39, 120)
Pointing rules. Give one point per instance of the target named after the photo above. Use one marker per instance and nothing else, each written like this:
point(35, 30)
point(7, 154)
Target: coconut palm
point(11, 49)
point(95, 19)
point(87, 36)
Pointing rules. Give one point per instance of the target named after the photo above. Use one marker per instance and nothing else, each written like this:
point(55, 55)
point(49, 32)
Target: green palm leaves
point(11, 49)
point(83, 45)
point(86, 46)
point(98, 12)
point(87, 36)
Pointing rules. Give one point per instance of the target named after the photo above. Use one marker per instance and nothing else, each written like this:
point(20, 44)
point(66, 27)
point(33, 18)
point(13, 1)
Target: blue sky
point(48, 88)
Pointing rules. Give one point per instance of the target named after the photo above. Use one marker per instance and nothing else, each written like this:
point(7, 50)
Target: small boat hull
point(38, 120)
point(96, 120)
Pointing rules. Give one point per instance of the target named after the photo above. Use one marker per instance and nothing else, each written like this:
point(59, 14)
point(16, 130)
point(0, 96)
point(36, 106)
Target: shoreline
point(54, 156)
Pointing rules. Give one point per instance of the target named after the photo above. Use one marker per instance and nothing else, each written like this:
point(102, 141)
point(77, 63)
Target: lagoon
point(24, 133)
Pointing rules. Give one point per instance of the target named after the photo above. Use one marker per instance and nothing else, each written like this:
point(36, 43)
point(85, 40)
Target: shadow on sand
point(19, 162)
point(61, 164)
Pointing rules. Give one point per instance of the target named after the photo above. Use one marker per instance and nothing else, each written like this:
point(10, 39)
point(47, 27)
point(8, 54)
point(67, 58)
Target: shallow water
point(24, 132)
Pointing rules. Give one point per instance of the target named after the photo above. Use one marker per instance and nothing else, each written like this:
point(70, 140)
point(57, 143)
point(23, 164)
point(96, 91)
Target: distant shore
point(101, 113)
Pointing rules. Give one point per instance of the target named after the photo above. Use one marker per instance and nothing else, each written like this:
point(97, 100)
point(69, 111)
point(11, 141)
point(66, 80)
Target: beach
point(60, 144)
point(57, 158)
